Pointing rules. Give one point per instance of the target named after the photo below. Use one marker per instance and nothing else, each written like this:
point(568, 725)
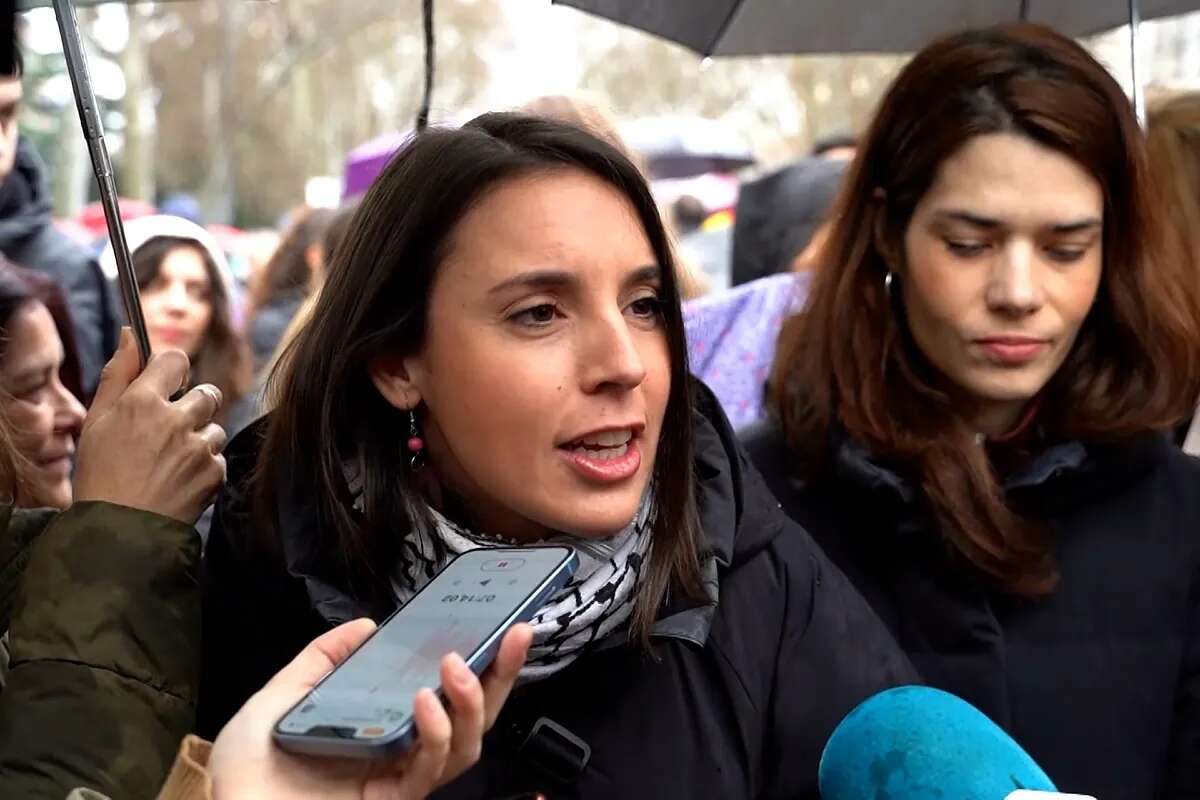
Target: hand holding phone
point(246, 763)
point(363, 709)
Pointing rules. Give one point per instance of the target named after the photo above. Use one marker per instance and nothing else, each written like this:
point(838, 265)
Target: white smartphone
point(364, 708)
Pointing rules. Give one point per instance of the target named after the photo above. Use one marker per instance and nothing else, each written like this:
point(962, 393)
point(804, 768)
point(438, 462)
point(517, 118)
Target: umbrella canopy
point(761, 27)
point(365, 162)
point(681, 147)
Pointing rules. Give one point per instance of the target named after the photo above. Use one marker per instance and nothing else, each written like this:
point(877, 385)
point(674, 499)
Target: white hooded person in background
point(187, 299)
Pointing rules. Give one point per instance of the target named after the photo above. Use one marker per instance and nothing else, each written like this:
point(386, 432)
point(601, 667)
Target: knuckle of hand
point(174, 361)
point(138, 404)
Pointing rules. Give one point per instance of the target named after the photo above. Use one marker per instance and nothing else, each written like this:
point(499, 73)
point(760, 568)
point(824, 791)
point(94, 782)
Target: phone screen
point(461, 610)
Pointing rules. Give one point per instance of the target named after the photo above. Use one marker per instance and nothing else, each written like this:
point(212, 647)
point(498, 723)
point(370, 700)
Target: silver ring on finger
point(213, 394)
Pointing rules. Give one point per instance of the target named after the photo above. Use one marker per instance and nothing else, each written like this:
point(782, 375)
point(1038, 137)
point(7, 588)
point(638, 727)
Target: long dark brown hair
point(375, 302)
point(223, 359)
point(848, 362)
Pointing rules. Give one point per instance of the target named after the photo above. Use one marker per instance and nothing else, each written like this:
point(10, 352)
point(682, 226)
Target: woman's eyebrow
point(648, 274)
point(536, 279)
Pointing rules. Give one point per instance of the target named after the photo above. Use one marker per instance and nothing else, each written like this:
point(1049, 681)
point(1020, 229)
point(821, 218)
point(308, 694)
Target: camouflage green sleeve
point(19, 528)
point(105, 655)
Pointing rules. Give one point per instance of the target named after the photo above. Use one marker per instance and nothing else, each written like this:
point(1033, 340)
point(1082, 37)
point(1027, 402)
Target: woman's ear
point(392, 376)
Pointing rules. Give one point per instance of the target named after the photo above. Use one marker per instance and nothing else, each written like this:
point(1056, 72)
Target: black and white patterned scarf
point(597, 601)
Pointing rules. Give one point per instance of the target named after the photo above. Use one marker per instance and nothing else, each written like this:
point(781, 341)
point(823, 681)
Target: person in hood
point(28, 238)
point(972, 409)
point(503, 360)
point(186, 292)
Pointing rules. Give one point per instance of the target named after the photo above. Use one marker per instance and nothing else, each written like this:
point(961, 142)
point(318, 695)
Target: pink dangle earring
point(416, 445)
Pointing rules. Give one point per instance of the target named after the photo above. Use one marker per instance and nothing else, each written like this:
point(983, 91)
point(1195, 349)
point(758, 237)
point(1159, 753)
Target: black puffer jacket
point(736, 700)
point(1100, 681)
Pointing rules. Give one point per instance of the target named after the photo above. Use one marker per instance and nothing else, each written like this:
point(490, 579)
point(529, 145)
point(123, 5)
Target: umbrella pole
point(427, 97)
point(1135, 72)
point(93, 131)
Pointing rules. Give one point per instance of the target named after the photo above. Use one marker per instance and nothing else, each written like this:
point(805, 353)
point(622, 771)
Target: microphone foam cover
point(918, 742)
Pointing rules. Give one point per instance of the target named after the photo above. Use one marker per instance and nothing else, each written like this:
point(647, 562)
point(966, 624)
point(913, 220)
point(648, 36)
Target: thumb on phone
point(118, 373)
point(322, 655)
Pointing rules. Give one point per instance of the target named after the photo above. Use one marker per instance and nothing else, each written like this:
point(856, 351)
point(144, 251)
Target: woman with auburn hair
point(970, 411)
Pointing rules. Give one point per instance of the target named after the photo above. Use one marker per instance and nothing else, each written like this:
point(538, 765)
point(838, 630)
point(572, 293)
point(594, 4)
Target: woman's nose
point(1015, 282)
point(69, 413)
point(615, 360)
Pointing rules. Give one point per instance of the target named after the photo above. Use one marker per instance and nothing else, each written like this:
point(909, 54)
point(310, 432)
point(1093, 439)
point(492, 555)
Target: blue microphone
point(916, 742)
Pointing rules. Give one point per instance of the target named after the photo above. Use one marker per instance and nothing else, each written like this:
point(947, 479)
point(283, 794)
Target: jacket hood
point(143, 229)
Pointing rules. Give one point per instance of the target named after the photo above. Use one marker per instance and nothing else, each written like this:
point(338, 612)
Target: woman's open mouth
point(605, 456)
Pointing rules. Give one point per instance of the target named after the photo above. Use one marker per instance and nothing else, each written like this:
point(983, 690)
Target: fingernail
point(126, 338)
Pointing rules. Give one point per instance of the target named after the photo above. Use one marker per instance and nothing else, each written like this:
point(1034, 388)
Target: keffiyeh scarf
point(597, 600)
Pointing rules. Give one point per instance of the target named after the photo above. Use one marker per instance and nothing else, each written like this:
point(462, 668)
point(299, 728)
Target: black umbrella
point(762, 27)
point(765, 27)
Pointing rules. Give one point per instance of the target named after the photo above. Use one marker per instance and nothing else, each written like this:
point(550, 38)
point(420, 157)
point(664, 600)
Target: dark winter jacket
point(1099, 681)
point(736, 699)
point(28, 238)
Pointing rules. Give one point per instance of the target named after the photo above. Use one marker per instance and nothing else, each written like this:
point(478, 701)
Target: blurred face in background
point(10, 106)
point(44, 416)
point(545, 373)
point(177, 301)
point(1002, 262)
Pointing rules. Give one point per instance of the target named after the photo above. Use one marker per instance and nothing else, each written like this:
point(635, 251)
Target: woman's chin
point(46, 494)
point(597, 523)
